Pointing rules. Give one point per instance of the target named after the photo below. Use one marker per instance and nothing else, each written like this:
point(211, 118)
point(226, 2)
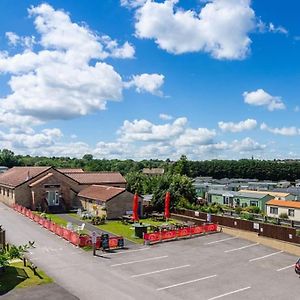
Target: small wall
point(283, 233)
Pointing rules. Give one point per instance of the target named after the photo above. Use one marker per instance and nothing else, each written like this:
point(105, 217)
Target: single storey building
point(110, 201)
point(275, 208)
point(51, 189)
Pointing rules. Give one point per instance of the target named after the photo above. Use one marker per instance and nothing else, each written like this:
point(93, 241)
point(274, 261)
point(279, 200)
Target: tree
point(87, 157)
point(8, 159)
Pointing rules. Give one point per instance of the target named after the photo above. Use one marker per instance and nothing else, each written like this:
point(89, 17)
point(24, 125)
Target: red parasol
point(135, 216)
point(167, 205)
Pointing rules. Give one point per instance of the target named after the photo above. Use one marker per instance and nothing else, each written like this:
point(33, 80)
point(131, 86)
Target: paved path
point(80, 273)
point(91, 227)
point(51, 291)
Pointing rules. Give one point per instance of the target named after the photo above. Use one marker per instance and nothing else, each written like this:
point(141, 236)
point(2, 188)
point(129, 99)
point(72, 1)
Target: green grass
point(57, 219)
point(18, 276)
point(127, 231)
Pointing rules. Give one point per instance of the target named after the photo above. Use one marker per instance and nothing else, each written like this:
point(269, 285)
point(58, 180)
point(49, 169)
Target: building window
point(244, 205)
point(274, 210)
point(237, 202)
point(253, 203)
point(225, 200)
point(291, 213)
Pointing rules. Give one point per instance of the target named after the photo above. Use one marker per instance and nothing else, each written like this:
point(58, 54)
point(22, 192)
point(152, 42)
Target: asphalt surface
point(209, 267)
point(46, 291)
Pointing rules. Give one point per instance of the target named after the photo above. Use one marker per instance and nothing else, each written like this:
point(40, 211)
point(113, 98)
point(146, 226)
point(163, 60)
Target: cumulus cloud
point(143, 130)
point(150, 83)
point(286, 131)
point(65, 76)
point(24, 41)
point(221, 28)
point(165, 117)
point(262, 98)
point(246, 145)
point(194, 137)
point(132, 3)
point(237, 127)
point(30, 140)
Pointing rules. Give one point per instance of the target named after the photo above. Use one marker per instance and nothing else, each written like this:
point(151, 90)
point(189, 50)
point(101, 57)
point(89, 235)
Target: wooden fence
point(283, 233)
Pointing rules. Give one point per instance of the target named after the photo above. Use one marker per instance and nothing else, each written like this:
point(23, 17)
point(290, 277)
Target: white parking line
point(186, 282)
point(230, 293)
point(262, 257)
point(123, 252)
point(159, 271)
point(281, 269)
point(223, 240)
point(241, 248)
point(137, 261)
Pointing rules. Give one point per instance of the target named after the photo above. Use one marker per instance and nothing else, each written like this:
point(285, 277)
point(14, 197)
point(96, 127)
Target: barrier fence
point(80, 240)
point(156, 237)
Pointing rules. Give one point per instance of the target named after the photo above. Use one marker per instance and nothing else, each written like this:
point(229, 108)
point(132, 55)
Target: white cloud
point(277, 29)
point(297, 108)
point(262, 98)
point(150, 83)
point(286, 131)
point(221, 28)
point(246, 145)
point(165, 117)
point(66, 77)
point(237, 127)
point(143, 130)
point(20, 140)
point(194, 137)
point(24, 41)
point(132, 3)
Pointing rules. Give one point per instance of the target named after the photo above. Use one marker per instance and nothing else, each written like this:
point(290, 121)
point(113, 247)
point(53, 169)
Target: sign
point(208, 218)
point(196, 213)
point(256, 226)
point(94, 237)
point(105, 241)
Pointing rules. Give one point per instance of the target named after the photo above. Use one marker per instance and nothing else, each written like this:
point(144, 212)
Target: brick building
point(51, 189)
point(110, 201)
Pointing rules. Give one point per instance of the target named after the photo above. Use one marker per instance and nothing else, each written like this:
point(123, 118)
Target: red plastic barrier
point(152, 237)
point(113, 242)
point(168, 235)
point(210, 227)
point(37, 218)
point(197, 230)
point(27, 213)
point(74, 238)
point(59, 230)
point(47, 224)
point(184, 232)
point(53, 227)
point(85, 240)
point(41, 221)
point(66, 234)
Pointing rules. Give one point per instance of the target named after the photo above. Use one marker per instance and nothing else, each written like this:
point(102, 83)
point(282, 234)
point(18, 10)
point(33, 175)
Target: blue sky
point(150, 79)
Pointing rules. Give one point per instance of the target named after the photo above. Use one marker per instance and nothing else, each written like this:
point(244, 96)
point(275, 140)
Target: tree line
point(244, 168)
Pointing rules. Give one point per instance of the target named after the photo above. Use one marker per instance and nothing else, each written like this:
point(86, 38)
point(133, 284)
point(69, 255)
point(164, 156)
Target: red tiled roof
point(18, 175)
point(284, 203)
point(62, 170)
point(100, 192)
point(36, 182)
point(100, 178)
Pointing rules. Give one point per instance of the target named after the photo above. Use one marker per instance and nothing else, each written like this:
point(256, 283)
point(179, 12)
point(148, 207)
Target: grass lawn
point(18, 276)
point(127, 231)
point(55, 218)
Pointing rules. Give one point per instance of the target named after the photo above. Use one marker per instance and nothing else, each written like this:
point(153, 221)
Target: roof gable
point(100, 192)
point(19, 175)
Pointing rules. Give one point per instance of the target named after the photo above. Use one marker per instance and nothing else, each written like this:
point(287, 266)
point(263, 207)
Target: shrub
point(253, 209)
point(238, 210)
point(247, 216)
point(283, 216)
